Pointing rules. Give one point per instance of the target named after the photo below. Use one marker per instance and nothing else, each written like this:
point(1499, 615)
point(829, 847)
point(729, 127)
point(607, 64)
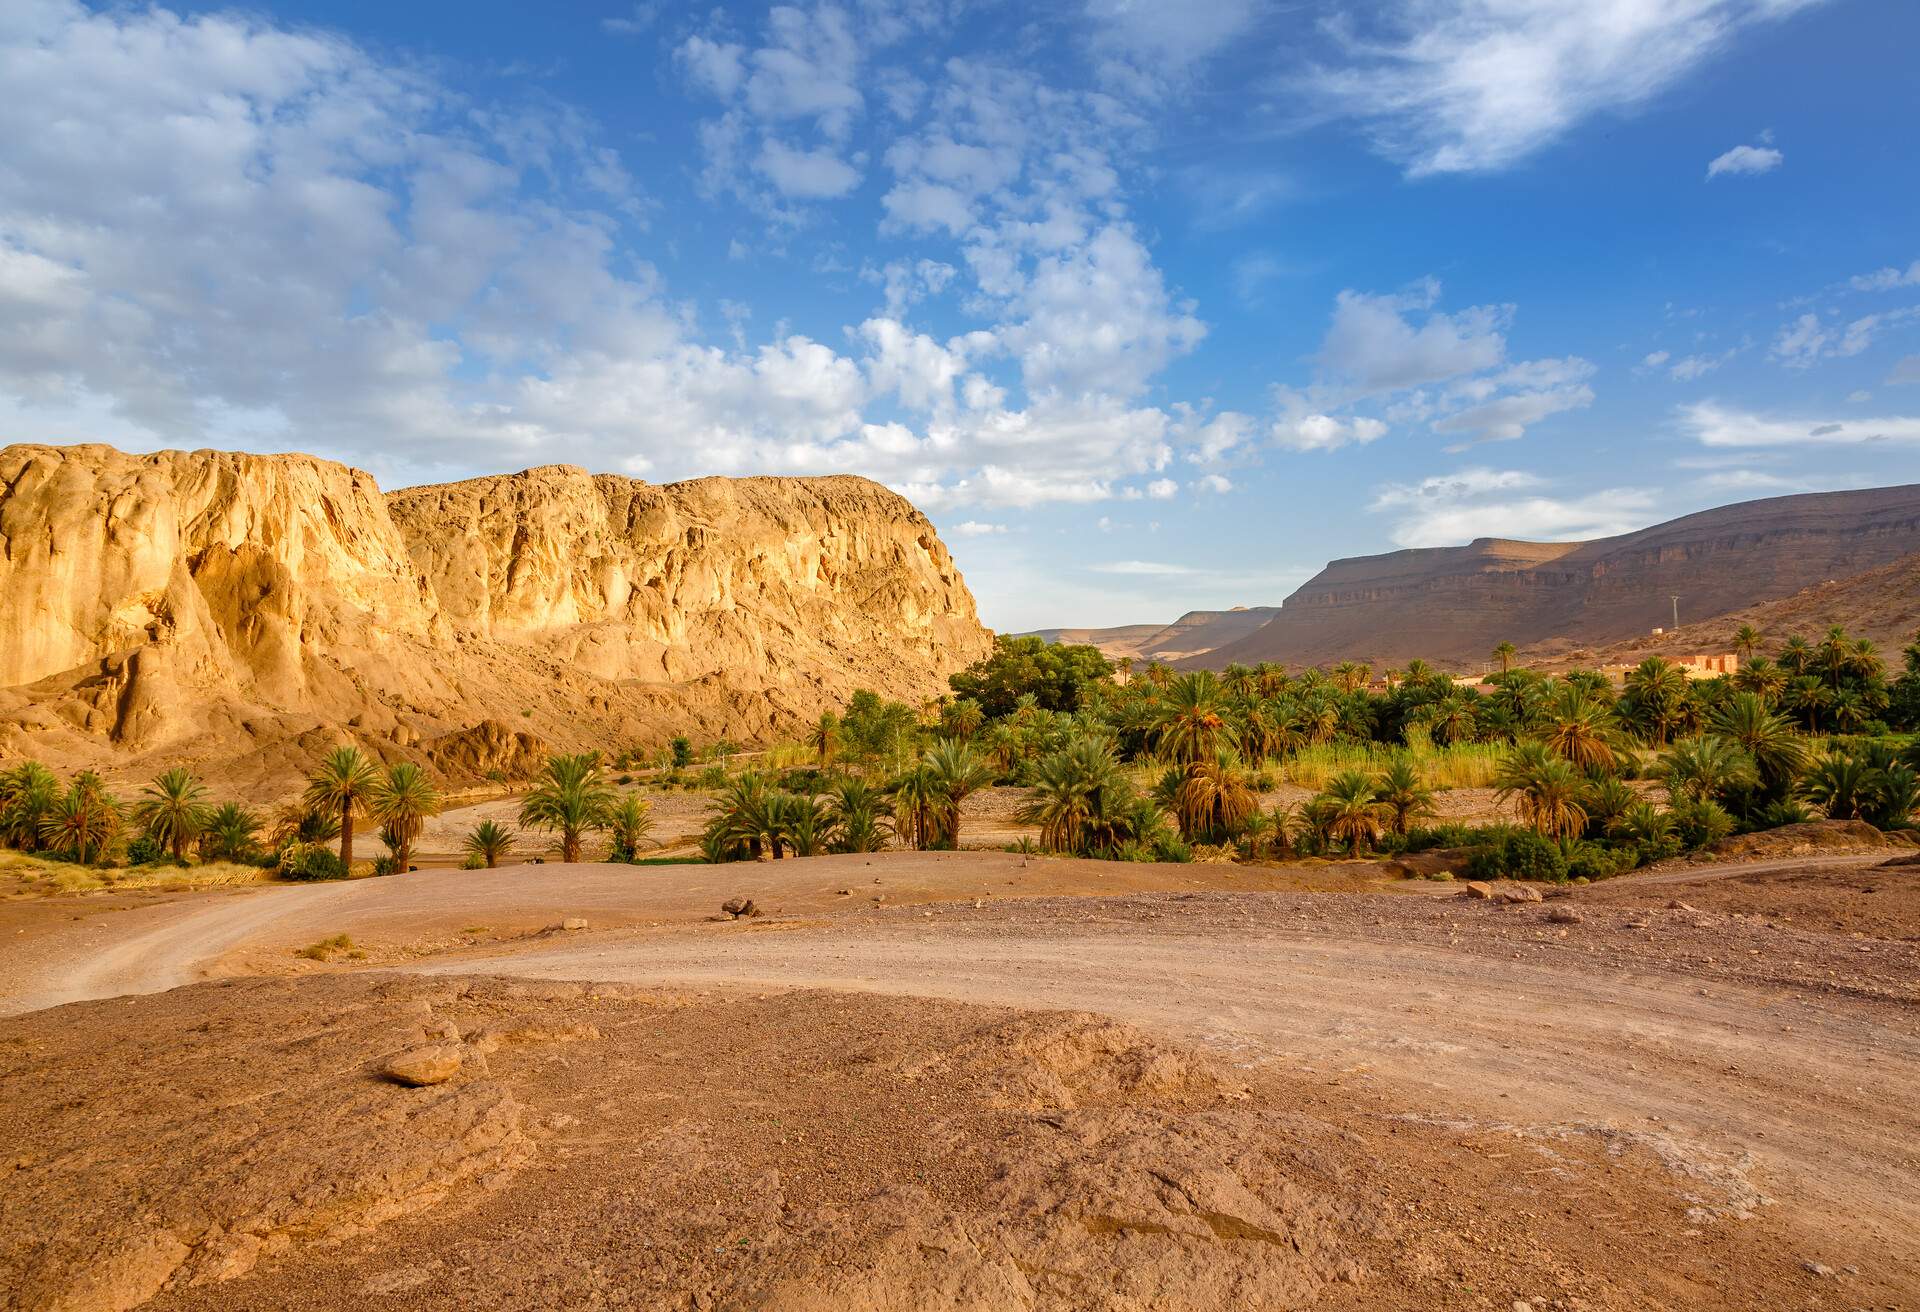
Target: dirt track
point(1754, 1059)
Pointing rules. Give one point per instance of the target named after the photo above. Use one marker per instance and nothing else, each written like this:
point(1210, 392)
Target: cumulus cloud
point(1375, 346)
point(1887, 279)
point(1808, 339)
point(1449, 509)
point(973, 528)
point(1715, 425)
point(1455, 86)
point(1745, 159)
point(1149, 48)
point(806, 174)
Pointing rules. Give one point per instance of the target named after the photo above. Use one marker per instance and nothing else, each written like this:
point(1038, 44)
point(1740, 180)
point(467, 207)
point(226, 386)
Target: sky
point(1149, 306)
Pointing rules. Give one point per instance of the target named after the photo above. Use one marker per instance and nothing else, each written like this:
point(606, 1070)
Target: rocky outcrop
point(1194, 634)
point(1451, 605)
point(218, 607)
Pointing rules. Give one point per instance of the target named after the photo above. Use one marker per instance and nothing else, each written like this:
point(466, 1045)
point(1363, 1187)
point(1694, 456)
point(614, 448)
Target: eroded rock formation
point(243, 611)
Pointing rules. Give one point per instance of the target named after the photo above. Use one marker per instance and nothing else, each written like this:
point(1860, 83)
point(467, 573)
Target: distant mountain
point(1193, 634)
point(1451, 605)
point(1882, 604)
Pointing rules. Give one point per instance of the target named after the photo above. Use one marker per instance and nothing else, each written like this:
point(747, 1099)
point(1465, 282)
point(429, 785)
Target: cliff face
point(1453, 604)
point(240, 611)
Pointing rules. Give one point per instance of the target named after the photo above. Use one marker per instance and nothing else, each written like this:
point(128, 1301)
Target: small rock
point(1637, 924)
point(573, 922)
point(1818, 1269)
point(1517, 893)
point(739, 906)
point(1677, 905)
point(1564, 916)
point(1521, 1305)
point(1476, 889)
point(846, 892)
point(416, 1067)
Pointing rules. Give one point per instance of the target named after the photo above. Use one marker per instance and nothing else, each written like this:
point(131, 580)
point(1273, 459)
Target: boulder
point(416, 1067)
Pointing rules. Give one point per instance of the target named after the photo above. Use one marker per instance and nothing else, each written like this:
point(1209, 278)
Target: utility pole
point(1676, 612)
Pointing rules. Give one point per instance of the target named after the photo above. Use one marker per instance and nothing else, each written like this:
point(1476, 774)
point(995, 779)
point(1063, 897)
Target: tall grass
point(1458, 765)
point(45, 876)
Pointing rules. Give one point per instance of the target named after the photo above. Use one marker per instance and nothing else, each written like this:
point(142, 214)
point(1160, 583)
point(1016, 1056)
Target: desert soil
point(972, 1080)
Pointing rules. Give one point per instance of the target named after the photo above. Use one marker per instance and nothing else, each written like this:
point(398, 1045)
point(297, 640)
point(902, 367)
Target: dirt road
point(1761, 1063)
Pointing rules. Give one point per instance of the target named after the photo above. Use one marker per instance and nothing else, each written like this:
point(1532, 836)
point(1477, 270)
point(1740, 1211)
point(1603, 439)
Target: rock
point(1512, 893)
point(1564, 916)
point(1638, 924)
point(238, 601)
point(434, 1064)
point(1817, 1269)
point(572, 923)
point(738, 907)
point(1476, 889)
point(1677, 905)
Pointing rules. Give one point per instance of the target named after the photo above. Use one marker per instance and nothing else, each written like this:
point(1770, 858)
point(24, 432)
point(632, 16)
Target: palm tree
point(1806, 695)
point(1703, 769)
point(808, 822)
point(918, 802)
point(1763, 678)
point(83, 822)
point(1504, 653)
point(630, 822)
point(230, 833)
point(344, 785)
point(1746, 641)
point(1213, 799)
point(1578, 727)
point(825, 737)
point(1546, 789)
point(1656, 697)
point(1777, 751)
point(489, 840)
point(1607, 801)
point(1079, 795)
point(28, 792)
point(569, 797)
point(963, 719)
point(1190, 720)
point(172, 810)
point(956, 772)
point(1842, 786)
point(403, 802)
point(1797, 656)
point(1400, 790)
point(1647, 825)
point(858, 810)
point(1346, 811)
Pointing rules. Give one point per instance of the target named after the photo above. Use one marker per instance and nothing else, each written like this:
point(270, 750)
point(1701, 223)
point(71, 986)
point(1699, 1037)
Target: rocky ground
point(971, 1080)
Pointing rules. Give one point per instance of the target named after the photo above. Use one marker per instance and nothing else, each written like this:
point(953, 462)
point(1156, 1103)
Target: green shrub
point(1519, 854)
point(1171, 847)
point(1589, 860)
point(474, 861)
point(145, 850)
point(714, 776)
point(386, 865)
point(307, 862)
point(1700, 824)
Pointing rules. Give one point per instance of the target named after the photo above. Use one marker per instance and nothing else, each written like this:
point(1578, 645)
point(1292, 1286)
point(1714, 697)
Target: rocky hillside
point(1451, 605)
point(242, 612)
point(1193, 634)
point(1882, 604)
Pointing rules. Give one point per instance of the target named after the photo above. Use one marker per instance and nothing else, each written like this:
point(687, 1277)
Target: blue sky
point(1148, 306)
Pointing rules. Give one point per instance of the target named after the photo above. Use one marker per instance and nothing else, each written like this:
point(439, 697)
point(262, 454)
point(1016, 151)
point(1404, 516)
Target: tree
point(28, 792)
point(1504, 653)
point(1080, 799)
point(1346, 811)
point(682, 750)
point(1746, 641)
point(490, 841)
point(1191, 718)
point(630, 823)
point(84, 821)
point(172, 811)
point(1842, 786)
point(343, 785)
point(570, 797)
point(1545, 788)
point(1656, 698)
point(917, 803)
point(1704, 769)
point(858, 810)
point(1578, 727)
point(956, 772)
point(825, 737)
point(403, 802)
point(230, 834)
point(1778, 753)
point(1058, 676)
point(1400, 790)
point(1213, 799)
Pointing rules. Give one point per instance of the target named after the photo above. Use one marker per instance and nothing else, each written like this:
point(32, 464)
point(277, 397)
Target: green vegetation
point(486, 844)
point(570, 798)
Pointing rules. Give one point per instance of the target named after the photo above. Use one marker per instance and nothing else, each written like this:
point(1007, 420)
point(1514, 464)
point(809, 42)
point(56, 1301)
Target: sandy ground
point(1746, 1037)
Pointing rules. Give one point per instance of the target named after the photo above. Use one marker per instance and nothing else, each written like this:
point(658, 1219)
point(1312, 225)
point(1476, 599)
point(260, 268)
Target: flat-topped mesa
point(206, 604)
point(1452, 604)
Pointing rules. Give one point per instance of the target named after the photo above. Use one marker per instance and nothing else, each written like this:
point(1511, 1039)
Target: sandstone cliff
point(1193, 634)
point(240, 612)
point(1451, 605)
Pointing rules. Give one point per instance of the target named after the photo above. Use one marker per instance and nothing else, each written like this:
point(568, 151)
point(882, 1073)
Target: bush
point(1263, 781)
point(1520, 854)
point(474, 861)
point(1700, 824)
point(1171, 847)
point(682, 751)
point(386, 865)
point(1588, 860)
point(145, 850)
point(306, 862)
point(714, 776)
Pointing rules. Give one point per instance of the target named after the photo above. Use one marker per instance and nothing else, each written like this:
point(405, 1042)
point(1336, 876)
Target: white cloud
point(1745, 159)
point(1859, 396)
point(1451, 509)
point(1150, 568)
point(1218, 484)
point(1905, 370)
point(1451, 86)
point(713, 65)
point(1162, 488)
point(1807, 340)
point(1887, 279)
point(1715, 425)
point(1145, 48)
point(1654, 359)
point(1373, 346)
point(1689, 367)
point(1299, 429)
point(638, 19)
point(806, 174)
point(973, 528)
point(1507, 418)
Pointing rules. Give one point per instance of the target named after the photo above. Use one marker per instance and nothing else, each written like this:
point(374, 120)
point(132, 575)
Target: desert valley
point(935, 656)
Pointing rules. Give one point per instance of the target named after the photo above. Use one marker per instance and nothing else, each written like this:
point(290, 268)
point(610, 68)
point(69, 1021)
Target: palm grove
point(1154, 766)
